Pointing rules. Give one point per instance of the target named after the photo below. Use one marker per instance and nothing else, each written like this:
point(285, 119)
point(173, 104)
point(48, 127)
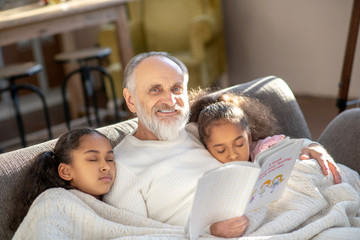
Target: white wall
point(301, 41)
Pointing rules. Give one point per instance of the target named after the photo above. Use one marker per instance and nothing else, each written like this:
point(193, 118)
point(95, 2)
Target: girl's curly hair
point(253, 115)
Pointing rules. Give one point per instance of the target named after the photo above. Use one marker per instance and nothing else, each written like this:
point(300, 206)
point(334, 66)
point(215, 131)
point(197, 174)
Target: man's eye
point(177, 90)
point(154, 90)
point(92, 160)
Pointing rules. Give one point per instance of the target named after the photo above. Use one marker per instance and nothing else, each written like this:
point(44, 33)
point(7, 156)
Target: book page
point(222, 193)
point(277, 163)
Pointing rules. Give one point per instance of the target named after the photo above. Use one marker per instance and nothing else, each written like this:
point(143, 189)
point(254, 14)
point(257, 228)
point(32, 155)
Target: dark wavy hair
point(43, 172)
point(250, 113)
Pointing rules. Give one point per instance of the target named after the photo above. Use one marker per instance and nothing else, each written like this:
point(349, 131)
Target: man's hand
point(326, 162)
point(234, 227)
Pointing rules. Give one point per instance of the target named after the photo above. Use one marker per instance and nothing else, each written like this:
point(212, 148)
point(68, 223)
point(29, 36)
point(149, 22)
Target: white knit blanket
point(312, 207)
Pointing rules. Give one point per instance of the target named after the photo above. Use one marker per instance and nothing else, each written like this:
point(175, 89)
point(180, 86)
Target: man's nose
point(169, 98)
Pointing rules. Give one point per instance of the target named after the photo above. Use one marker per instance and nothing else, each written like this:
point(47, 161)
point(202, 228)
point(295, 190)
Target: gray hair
point(129, 76)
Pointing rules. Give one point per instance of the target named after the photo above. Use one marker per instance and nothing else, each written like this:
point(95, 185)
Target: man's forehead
point(157, 62)
point(159, 70)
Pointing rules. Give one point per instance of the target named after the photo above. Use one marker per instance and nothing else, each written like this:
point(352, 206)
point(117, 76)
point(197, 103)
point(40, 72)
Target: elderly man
point(159, 164)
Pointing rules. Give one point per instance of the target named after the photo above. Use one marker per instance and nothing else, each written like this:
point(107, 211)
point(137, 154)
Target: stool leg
point(63, 92)
point(84, 77)
point(19, 120)
point(92, 93)
point(45, 107)
point(104, 72)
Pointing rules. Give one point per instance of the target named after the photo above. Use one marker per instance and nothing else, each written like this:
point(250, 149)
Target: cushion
point(340, 138)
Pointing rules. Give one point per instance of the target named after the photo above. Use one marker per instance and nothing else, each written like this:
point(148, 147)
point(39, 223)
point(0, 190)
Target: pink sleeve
point(263, 144)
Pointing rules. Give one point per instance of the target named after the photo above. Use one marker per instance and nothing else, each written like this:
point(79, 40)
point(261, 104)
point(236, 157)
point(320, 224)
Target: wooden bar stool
point(85, 70)
point(13, 72)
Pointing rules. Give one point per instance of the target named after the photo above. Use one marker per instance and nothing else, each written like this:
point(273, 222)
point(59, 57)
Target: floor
point(318, 112)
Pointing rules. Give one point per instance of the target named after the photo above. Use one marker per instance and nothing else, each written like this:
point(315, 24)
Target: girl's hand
point(326, 162)
point(234, 227)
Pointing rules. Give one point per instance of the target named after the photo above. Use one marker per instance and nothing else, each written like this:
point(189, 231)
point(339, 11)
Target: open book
point(236, 188)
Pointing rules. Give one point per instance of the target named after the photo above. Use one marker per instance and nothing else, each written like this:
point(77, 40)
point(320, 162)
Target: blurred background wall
point(302, 42)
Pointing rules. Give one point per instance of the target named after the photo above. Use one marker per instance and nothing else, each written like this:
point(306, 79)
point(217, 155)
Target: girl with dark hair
point(235, 128)
point(82, 159)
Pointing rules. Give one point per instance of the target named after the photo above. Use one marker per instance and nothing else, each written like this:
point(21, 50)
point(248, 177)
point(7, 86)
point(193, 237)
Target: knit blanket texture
point(312, 207)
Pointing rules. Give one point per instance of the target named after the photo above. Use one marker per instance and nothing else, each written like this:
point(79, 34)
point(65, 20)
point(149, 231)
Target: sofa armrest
point(340, 138)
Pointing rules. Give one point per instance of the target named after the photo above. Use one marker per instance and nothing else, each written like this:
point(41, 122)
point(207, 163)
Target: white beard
point(165, 129)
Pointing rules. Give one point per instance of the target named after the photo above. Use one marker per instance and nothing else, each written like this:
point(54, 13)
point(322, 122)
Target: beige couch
point(339, 137)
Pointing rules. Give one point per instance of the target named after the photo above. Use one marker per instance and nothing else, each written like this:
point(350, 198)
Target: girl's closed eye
point(220, 149)
point(239, 141)
point(92, 157)
point(239, 144)
point(109, 157)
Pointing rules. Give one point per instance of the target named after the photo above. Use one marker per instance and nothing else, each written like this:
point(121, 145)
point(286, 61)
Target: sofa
point(339, 137)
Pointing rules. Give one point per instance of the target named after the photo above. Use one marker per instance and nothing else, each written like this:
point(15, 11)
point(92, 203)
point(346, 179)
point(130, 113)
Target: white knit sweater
point(157, 179)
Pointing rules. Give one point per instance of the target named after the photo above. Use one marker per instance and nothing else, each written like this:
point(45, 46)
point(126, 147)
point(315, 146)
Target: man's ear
point(64, 172)
point(130, 100)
